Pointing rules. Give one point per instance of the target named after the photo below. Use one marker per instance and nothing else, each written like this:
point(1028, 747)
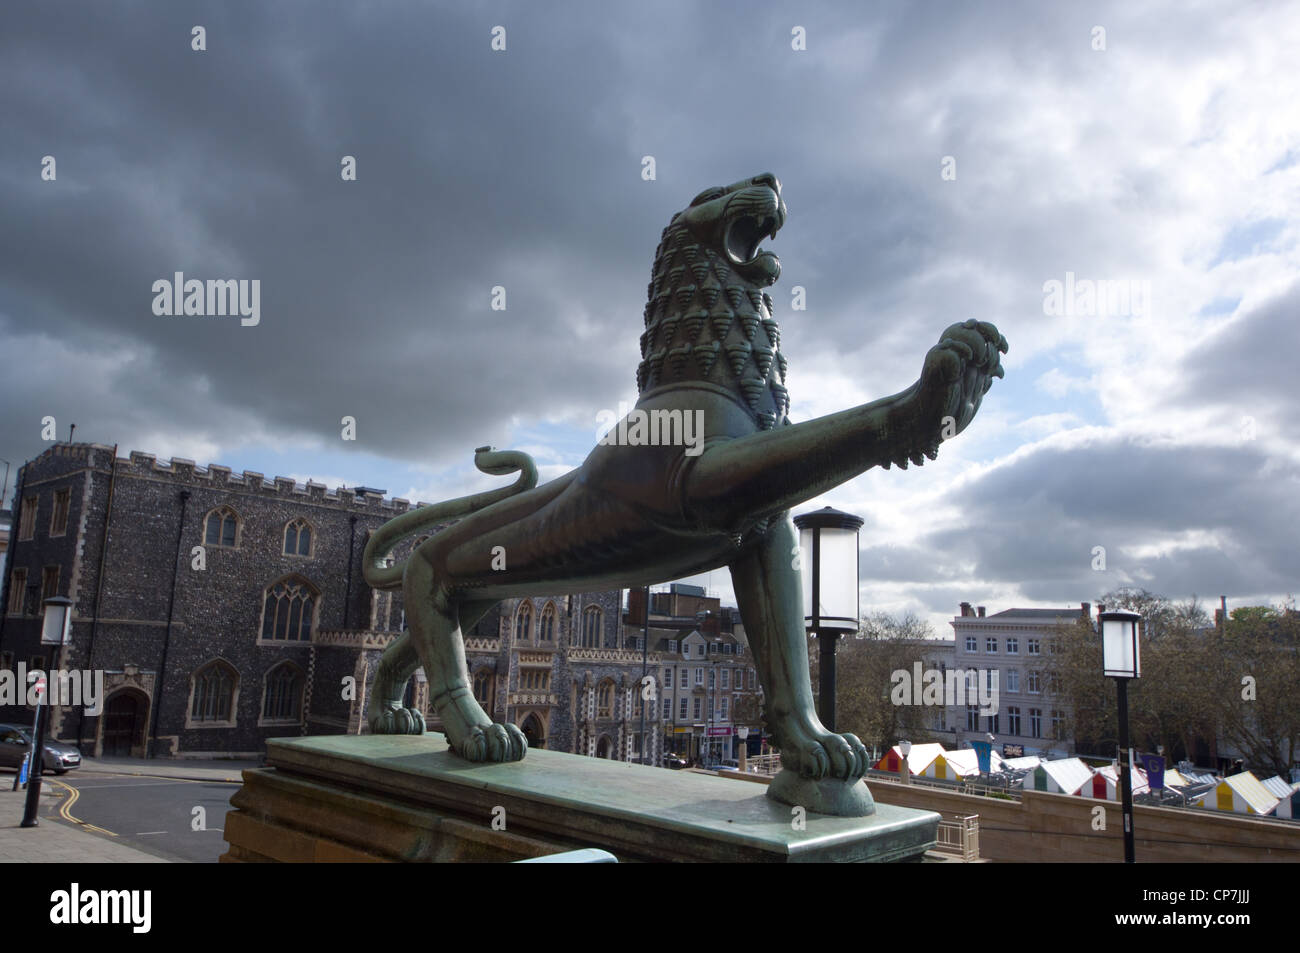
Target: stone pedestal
point(407, 798)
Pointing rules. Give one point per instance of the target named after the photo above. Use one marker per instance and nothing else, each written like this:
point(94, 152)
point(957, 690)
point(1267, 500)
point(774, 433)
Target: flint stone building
point(226, 610)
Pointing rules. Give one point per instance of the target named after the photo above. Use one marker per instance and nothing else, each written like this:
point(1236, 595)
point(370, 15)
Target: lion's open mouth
point(744, 234)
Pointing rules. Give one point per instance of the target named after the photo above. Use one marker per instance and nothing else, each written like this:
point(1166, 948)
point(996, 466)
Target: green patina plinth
point(405, 797)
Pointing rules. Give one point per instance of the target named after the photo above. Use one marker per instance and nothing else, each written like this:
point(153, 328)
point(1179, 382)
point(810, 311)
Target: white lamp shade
point(1120, 650)
point(828, 543)
point(905, 748)
point(58, 617)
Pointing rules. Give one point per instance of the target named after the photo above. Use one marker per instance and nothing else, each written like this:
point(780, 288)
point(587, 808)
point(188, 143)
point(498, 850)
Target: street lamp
point(828, 539)
point(1121, 660)
point(905, 748)
point(54, 631)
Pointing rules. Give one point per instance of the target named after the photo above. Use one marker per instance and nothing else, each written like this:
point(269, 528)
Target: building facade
point(225, 610)
point(1010, 649)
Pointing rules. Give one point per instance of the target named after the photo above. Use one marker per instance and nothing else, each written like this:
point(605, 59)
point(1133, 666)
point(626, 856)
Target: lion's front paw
point(396, 720)
point(826, 754)
point(963, 364)
point(493, 742)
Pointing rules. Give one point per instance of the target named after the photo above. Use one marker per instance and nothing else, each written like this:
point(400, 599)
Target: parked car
point(16, 741)
point(673, 761)
point(726, 764)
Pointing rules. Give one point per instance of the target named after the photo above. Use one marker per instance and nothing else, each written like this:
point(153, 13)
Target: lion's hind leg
point(388, 716)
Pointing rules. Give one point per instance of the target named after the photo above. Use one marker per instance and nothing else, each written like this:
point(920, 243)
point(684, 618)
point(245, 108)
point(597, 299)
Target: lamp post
point(743, 734)
point(1121, 660)
point(54, 631)
point(828, 540)
point(905, 748)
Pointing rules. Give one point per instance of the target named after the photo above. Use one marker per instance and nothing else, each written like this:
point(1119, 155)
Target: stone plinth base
point(407, 798)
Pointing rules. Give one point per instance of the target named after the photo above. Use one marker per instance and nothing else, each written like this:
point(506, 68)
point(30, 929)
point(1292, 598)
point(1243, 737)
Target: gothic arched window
point(288, 610)
point(297, 538)
point(524, 622)
point(221, 528)
point(282, 694)
point(213, 698)
point(546, 627)
point(593, 622)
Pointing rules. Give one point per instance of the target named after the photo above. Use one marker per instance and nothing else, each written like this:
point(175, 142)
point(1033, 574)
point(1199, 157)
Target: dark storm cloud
point(1033, 523)
point(1249, 366)
point(475, 169)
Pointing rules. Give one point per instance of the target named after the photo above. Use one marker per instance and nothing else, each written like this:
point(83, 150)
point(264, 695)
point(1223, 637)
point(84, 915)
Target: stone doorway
point(124, 717)
point(532, 729)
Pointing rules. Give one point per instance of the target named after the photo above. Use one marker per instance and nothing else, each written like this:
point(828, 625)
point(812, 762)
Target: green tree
point(865, 664)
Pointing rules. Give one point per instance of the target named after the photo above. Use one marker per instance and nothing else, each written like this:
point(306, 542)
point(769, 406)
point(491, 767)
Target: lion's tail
point(496, 462)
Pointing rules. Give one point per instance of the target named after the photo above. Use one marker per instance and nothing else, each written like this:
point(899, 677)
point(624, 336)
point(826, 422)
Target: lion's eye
point(708, 195)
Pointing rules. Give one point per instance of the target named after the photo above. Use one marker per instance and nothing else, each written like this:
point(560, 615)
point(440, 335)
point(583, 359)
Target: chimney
point(965, 609)
point(1221, 616)
point(1087, 611)
point(981, 611)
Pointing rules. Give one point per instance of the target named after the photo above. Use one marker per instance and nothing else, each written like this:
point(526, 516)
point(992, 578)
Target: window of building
point(668, 708)
point(699, 676)
point(282, 700)
point(1053, 648)
point(288, 611)
point(725, 699)
point(726, 648)
point(297, 538)
point(524, 622)
point(1013, 680)
point(1054, 683)
point(697, 707)
point(684, 678)
point(726, 679)
point(59, 521)
point(753, 679)
point(49, 583)
point(482, 686)
point(989, 675)
point(991, 645)
point(713, 679)
point(214, 693)
point(1058, 725)
point(1013, 645)
point(593, 622)
point(222, 527)
point(546, 626)
point(972, 643)
point(682, 714)
point(1035, 722)
point(672, 646)
point(17, 591)
point(605, 699)
point(740, 650)
point(27, 519)
point(535, 680)
point(1013, 720)
point(993, 724)
point(1033, 683)
point(972, 718)
point(1032, 645)
point(668, 678)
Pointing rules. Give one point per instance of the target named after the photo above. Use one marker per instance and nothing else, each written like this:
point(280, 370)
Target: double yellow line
point(65, 809)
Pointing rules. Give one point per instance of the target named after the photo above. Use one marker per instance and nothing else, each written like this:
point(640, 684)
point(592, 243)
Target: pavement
point(62, 839)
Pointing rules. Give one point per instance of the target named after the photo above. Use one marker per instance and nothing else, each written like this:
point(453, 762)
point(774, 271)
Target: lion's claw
point(397, 720)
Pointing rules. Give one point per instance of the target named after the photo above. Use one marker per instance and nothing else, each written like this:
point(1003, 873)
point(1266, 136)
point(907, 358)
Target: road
point(156, 815)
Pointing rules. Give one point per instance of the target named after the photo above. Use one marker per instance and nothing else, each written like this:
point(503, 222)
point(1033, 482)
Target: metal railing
point(960, 836)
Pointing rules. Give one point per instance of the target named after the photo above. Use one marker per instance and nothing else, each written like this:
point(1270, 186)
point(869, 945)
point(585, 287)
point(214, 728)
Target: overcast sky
point(1170, 157)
